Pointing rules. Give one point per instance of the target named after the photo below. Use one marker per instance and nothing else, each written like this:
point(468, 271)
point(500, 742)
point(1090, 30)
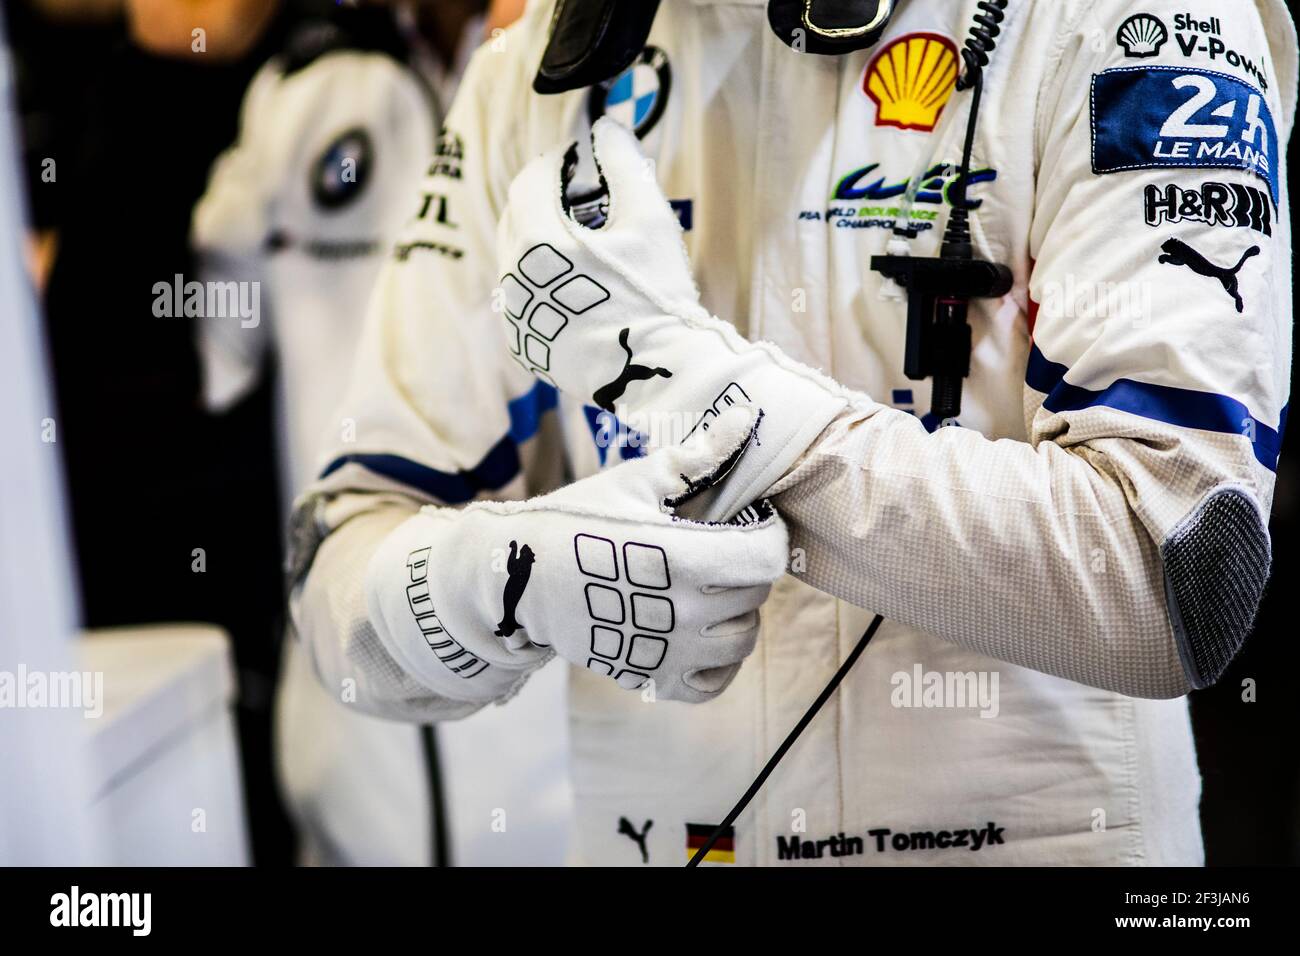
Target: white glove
point(470, 601)
point(611, 315)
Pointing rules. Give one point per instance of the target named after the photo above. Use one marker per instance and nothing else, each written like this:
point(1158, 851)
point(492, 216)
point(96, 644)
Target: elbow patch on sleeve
point(1216, 563)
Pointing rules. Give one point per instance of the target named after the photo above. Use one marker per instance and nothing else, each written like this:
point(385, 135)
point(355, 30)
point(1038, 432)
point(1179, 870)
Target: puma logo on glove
point(519, 567)
point(607, 395)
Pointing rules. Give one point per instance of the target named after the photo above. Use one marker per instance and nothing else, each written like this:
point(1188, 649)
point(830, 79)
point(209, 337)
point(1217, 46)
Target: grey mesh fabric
point(1216, 565)
point(1044, 555)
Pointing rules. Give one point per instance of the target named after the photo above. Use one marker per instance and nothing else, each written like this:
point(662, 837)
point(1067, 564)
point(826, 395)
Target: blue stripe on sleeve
point(527, 410)
point(1183, 407)
point(497, 468)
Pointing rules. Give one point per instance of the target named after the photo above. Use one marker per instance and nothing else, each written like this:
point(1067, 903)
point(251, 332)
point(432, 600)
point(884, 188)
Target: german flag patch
point(723, 851)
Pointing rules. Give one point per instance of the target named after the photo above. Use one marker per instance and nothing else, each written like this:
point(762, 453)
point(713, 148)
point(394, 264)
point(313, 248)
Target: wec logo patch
point(1153, 116)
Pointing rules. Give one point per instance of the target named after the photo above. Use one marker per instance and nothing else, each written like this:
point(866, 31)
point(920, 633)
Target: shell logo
point(911, 80)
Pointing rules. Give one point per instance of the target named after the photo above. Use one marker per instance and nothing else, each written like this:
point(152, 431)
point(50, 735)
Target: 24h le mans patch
point(1147, 117)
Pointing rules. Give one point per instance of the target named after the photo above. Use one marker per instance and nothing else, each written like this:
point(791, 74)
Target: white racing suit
point(283, 209)
point(1096, 519)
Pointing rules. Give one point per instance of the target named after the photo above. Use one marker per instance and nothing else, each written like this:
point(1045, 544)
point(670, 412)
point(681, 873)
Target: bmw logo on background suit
point(343, 169)
point(636, 97)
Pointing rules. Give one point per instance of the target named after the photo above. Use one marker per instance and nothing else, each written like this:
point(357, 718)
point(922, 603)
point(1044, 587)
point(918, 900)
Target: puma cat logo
point(626, 829)
point(607, 395)
point(519, 567)
point(1179, 253)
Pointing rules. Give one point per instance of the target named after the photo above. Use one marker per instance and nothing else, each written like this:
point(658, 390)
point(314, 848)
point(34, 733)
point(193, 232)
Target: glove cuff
point(794, 409)
point(457, 661)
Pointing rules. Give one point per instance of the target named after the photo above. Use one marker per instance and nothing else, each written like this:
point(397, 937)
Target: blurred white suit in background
point(334, 139)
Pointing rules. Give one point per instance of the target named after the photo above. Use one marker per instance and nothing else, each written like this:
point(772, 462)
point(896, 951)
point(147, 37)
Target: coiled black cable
point(982, 40)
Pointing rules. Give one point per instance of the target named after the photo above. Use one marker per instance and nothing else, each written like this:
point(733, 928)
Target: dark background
point(152, 476)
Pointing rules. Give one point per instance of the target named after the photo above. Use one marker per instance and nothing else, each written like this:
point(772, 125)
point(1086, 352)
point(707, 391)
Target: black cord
point(977, 93)
point(786, 744)
point(439, 835)
point(958, 229)
point(975, 55)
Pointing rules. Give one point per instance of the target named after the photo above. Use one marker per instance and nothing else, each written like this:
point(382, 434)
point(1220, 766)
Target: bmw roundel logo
point(636, 97)
point(343, 169)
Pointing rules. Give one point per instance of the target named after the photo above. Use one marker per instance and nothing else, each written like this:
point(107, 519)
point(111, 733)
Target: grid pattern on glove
point(538, 305)
point(628, 604)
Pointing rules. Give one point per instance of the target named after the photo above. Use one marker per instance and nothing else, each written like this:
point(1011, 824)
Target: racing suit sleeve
point(228, 232)
point(434, 413)
point(265, 197)
point(232, 347)
point(1123, 545)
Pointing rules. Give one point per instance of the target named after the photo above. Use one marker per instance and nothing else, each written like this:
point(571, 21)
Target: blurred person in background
point(174, 512)
point(306, 204)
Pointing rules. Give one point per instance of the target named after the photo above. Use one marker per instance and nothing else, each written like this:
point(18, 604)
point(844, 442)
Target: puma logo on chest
point(626, 828)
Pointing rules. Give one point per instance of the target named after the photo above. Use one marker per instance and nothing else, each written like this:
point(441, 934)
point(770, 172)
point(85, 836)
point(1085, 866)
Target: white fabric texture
point(602, 571)
point(786, 174)
point(330, 795)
